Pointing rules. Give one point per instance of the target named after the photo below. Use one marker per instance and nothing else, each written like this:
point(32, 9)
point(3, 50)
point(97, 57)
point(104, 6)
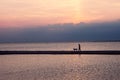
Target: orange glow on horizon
point(16, 13)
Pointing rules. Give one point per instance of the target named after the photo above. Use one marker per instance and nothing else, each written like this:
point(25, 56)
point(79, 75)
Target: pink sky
point(20, 13)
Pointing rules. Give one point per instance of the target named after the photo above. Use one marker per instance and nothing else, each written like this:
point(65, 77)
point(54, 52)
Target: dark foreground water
point(60, 67)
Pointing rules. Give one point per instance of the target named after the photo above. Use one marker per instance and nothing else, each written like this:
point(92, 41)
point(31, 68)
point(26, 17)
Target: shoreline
point(107, 52)
point(59, 42)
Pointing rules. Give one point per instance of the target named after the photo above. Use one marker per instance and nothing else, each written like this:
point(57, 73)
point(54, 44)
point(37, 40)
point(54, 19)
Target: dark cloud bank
point(104, 31)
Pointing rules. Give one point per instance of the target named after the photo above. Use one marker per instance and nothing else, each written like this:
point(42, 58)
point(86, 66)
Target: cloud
point(104, 31)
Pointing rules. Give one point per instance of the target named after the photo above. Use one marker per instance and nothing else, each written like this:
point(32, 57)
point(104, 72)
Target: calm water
point(60, 67)
point(61, 46)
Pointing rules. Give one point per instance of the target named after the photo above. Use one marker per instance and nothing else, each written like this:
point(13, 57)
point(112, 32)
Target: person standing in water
point(79, 47)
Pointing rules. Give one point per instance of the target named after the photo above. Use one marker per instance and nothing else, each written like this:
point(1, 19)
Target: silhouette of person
point(79, 47)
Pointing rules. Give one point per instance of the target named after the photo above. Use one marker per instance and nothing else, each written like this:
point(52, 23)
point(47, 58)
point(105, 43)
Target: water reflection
point(60, 46)
point(59, 67)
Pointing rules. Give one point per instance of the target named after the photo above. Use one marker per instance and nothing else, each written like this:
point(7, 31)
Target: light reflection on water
point(61, 46)
point(59, 67)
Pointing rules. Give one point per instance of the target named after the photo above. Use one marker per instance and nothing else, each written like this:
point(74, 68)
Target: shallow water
point(60, 46)
point(59, 67)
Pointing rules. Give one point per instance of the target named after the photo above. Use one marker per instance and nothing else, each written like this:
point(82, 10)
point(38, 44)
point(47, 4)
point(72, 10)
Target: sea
point(59, 67)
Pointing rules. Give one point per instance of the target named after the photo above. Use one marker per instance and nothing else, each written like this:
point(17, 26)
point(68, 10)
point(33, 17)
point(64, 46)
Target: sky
point(59, 20)
point(26, 13)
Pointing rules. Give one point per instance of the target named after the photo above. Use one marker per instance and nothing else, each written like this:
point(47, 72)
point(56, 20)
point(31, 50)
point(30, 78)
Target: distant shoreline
point(63, 41)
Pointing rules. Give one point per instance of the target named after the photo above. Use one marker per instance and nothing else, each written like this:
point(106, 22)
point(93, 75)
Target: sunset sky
point(22, 13)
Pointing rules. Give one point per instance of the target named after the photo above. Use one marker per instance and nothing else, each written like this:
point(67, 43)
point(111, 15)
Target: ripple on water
point(80, 69)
